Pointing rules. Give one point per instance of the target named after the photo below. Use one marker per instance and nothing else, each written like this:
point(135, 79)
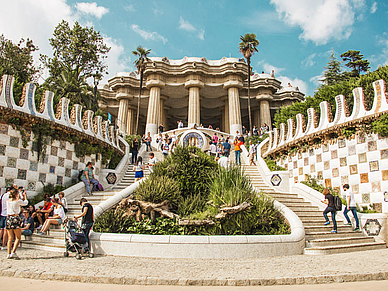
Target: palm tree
point(247, 47)
point(142, 55)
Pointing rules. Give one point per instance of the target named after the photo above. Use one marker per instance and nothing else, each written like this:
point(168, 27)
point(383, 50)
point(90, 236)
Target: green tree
point(248, 46)
point(78, 54)
point(17, 60)
point(332, 73)
point(140, 64)
point(355, 62)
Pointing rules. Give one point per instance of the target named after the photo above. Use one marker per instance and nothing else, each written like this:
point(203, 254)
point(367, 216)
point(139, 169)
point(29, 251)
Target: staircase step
point(43, 246)
point(344, 248)
point(328, 234)
point(339, 241)
point(303, 208)
point(318, 227)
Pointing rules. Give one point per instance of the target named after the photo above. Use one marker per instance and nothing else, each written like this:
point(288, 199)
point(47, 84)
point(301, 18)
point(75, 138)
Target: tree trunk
point(225, 211)
point(249, 94)
point(138, 102)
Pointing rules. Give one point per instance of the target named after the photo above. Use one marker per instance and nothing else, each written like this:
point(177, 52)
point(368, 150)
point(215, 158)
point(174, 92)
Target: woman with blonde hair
point(56, 219)
point(329, 201)
point(14, 222)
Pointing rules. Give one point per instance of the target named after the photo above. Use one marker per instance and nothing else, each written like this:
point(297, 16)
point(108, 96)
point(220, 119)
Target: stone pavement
point(290, 270)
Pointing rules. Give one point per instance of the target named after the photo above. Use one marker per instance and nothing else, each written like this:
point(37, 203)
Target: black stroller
point(75, 240)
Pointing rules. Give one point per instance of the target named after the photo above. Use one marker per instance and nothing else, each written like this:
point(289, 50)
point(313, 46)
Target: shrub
point(272, 166)
point(255, 139)
point(49, 189)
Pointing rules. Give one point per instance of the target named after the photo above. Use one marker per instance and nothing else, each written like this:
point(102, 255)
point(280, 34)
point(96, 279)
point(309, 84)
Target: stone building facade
point(196, 91)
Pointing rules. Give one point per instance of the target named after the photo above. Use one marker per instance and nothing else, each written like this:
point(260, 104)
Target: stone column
point(194, 111)
point(130, 118)
point(225, 115)
point(265, 113)
point(234, 106)
point(256, 117)
point(122, 114)
point(153, 106)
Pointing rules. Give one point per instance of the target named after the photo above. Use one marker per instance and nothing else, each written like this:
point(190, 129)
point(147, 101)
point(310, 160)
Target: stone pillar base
point(152, 129)
point(234, 128)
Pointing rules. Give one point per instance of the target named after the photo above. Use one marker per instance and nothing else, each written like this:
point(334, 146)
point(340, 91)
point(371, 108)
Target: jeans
point(148, 144)
point(86, 227)
point(333, 213)
point(226, 153)
point(238, 157)
point(92, 181)
point(134, 157)
point(27, 232)
point(354, 211)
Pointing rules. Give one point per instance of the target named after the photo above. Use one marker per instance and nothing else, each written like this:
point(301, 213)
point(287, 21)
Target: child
point(139, 168)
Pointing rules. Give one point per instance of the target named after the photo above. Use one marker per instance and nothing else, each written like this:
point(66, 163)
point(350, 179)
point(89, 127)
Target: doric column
point(130, 120)
point(153, 106)
point(194, 111)
point(122, 115)
point(256, 117)
point(234, 106)
point(265, 113)
point(162, 112)
point(225, 115)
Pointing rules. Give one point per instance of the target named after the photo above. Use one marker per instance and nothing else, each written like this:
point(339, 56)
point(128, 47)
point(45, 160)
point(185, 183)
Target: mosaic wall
point(19, 165)
point(361, 162)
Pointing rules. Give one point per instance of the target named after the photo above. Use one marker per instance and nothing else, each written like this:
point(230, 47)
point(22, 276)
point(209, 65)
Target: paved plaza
point(291, 270)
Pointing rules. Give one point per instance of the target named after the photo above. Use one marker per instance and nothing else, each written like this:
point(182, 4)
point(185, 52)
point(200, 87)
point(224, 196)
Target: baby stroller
point(75, 240)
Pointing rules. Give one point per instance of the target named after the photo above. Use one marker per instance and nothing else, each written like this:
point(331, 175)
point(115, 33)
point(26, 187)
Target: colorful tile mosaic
point(384, 174)
point(376, 186)
point(22, 174)
point(345, 180)
point(355, 188)
point(14, 141)
point(61, 162)
point(69, 155)
point(9, 182)
point(296, 179)
point(343, 162)
point(68, 172)
point(325, 148)
point(42, 177)
point(33, 166)
point(352, 150)
point(334, 154)
point(327, 183)
point(52, 170)
point(353, 169)
point(365, 198)
point(59, 180)
point(311, 152)
point(45, 160)
point(2, 149)
point(300, 171)
point(319, 158)
point(4, 128)
point(372, 146)
point(335, 172)
point(82, 160)
point(312, 168)
point(360, 139)
point(373, 166)
point(378, 207)
point(11, 162)
point(24, 154)
point(384, 154)
point(320, 175)
point(364, 178)
point(1, 171)
point(75, 165)
point(31, 186)
point(341, 143)
point(299, 156)
point(362, 158)
point(62, 145)
point(295, 164)
point(326, 165)
point(54, 151)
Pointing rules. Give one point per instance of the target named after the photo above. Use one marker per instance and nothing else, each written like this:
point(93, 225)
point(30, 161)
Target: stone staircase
point(319, 239)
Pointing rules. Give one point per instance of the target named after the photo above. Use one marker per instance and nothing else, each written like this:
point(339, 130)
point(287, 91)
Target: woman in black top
point(87, 220)
point(329, 201)
point(134, 150)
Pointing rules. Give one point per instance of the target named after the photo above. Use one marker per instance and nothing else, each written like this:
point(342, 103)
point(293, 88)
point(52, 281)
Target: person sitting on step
point(56, 219)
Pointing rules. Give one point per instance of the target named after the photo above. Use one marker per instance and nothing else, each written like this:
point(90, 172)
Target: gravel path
point(357, 266)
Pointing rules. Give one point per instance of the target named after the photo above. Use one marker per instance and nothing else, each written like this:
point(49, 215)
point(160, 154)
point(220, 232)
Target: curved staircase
point(319, 239)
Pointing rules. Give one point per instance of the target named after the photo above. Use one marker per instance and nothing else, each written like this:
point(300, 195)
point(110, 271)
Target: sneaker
point(333, 231)
point(348, 224)
point(14, 256)
point(40, 233)
point(39, 227)
point(356, 229)
point(9, 256)
point(3, 248)
point(327, 223)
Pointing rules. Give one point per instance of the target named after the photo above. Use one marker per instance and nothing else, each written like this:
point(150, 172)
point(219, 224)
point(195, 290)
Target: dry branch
point(225, 211)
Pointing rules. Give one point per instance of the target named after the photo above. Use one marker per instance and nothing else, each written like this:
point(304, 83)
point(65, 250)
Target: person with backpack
point(88, 178)
point(329, 201)
point(352, 206)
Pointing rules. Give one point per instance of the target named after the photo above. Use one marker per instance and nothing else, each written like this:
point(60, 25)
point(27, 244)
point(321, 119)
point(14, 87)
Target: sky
point(296, 37)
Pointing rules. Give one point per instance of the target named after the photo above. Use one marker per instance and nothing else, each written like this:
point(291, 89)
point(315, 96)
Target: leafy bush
point(272, 166)
point(255, 139)
point(47, 189)
point(380, 125)
point(158, 189)
point(314, 183)
point(130, 138)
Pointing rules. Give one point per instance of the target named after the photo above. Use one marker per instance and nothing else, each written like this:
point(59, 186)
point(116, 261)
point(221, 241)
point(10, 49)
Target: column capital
point(155, 83)
point(194, 83)
point(122, 95)
point(233, 84)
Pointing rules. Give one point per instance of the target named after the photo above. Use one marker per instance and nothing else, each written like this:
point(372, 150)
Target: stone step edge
point(358, 245)
point(339, 239)
point(301, 280)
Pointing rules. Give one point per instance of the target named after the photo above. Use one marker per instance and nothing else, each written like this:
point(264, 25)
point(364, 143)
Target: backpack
point(337, 203)
point(80, 174)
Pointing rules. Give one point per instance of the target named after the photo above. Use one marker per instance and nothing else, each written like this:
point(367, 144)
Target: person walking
point(329, 201)
point(134, 150)
point(87, 221)
point(14, 221)
point(161, 128)
point(139, 168)
point(352, 206)
point(152, 162)
point(3, 218)
point(148, 141)
point(88, 178)
point(237, 150)
point(226, 147)
point(252, 153)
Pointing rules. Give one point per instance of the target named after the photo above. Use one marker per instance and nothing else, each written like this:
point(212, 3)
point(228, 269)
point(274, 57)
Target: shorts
point(3, 220)
point(14, 222)
point(27, 232)
point(59, 220)
point(139, 174)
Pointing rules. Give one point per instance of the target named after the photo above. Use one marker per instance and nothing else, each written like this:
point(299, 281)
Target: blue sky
point(296, 37)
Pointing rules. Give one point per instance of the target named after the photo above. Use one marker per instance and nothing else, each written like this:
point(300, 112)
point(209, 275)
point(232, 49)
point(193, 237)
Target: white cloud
point(309, 61)
point(185, 25)
point(117, 61)
point(148, 35)
point(320, 20)
point(373, 8)
point(294, 82)
point(266, 21)
point(316, 80)
point(130, 8)
point(383, 57)
point(91, 9)
point(267, 68)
